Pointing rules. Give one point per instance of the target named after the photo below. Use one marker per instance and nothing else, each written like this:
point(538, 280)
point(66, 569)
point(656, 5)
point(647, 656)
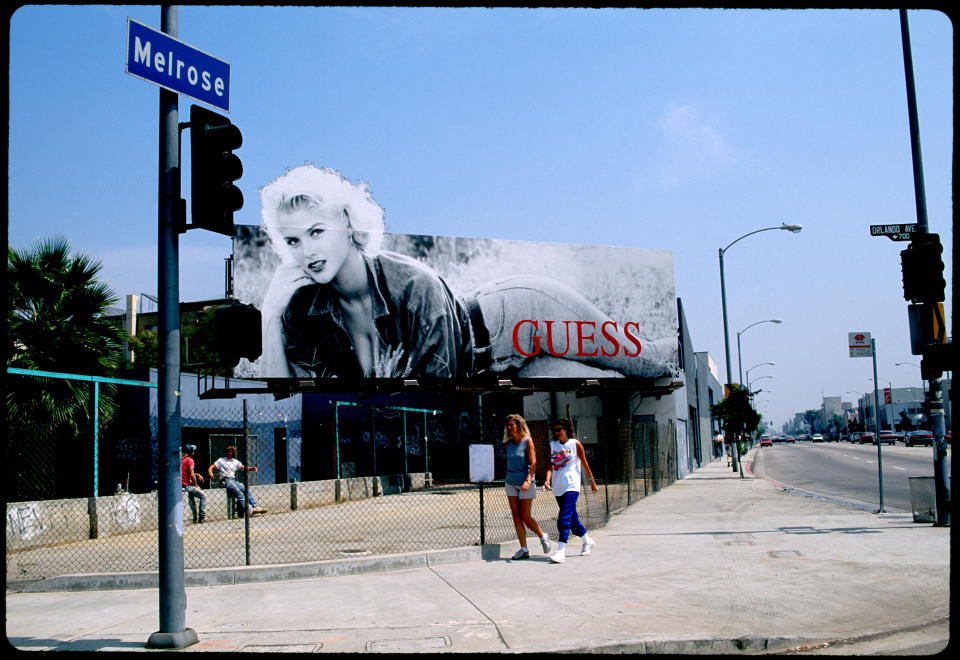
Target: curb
point(205, 577)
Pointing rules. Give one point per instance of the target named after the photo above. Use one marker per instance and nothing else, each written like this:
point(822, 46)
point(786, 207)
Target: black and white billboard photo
point(342, 298)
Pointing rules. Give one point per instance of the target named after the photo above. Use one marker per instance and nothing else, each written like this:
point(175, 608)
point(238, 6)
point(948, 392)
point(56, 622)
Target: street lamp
point(760, 378)
point(723, 288)
point(772, 364)
point(723, 297)
point(739, 363)
point(923, 383)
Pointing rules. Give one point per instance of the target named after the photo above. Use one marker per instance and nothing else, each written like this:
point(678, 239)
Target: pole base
point(172, 640)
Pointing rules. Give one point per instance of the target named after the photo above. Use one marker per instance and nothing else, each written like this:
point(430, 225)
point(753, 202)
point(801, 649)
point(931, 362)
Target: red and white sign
point(860, 344)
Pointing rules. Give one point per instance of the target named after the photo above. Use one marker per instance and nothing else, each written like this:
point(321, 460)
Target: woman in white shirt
point(566, 459)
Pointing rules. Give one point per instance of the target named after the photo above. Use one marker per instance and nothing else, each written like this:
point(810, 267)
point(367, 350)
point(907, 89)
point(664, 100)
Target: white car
point(817, 437)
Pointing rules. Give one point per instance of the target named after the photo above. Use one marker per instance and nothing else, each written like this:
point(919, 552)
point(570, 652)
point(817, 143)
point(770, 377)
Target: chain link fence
point(353, 479)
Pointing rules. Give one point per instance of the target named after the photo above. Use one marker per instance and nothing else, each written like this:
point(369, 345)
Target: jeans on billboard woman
point(339, 306)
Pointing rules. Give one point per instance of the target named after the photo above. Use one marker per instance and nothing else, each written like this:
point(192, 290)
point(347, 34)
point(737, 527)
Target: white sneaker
point(545, 544)
point(587, 547)
point(558, 557)
point(522, 553)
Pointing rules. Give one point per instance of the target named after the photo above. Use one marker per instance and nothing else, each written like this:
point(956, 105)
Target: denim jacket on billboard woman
point(413, 309)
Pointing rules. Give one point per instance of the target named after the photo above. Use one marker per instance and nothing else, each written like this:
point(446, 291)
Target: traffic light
point(937, 358)
point(922, 268)
point(213, 169)
point(236, 332)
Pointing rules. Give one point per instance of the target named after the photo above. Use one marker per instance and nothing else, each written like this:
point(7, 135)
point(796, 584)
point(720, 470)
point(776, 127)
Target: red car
point(766, 442)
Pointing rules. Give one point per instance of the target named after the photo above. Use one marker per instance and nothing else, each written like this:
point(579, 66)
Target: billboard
point(341, 298)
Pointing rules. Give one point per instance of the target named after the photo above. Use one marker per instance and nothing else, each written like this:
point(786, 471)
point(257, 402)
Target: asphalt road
point(847, 472)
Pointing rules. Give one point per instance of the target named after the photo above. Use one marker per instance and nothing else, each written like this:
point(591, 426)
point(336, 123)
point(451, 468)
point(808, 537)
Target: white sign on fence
point(481, 463)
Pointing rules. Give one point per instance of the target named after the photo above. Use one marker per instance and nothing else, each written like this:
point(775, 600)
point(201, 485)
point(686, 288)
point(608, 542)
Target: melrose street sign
point(162, 60)
point(894, 232)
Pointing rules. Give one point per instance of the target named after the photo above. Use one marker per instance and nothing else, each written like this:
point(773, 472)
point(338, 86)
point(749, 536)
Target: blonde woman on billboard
point(521, 483)
point(339, 306)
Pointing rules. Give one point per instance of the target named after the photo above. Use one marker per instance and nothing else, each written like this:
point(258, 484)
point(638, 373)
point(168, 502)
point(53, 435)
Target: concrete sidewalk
point(711, 564)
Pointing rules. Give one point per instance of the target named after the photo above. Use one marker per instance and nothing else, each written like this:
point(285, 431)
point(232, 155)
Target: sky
point(672, 129)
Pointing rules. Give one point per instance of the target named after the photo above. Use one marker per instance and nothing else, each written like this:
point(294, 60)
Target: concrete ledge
point(205, 577)
point(50, 522)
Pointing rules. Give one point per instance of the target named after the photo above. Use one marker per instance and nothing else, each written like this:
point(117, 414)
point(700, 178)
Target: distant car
point(888, 437)
point(918, 438)
point(844, 437)
point(855, 436)
point(766, 442)
point(868, 438)
point(816, 437)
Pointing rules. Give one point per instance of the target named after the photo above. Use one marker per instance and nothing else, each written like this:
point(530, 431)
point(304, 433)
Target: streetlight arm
point(790, 228)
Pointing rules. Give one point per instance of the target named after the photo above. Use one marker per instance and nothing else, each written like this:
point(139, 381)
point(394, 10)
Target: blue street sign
point(162, 60)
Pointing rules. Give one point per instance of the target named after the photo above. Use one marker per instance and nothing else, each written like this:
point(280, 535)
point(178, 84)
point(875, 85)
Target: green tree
point(197, 346)
point(144, 347)
point(735, 412)
point(56, 321)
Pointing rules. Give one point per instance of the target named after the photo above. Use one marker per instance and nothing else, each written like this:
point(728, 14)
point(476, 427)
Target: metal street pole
point(726, 334)
point(876, 417)
point(739, 356)
point(934, 398)
point(173, 632)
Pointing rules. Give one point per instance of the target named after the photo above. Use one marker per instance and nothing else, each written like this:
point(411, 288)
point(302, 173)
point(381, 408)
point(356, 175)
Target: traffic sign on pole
point(160, 59)
point(860, 345)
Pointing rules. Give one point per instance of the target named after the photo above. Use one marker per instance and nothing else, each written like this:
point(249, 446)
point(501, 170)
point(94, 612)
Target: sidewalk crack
point(474, 605)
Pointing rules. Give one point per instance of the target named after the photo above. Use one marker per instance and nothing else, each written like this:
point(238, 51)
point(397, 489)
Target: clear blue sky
point(676, 129)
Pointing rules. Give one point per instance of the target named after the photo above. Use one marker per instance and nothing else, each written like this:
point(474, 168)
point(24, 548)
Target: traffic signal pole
point(934, 402)
point(173, 632)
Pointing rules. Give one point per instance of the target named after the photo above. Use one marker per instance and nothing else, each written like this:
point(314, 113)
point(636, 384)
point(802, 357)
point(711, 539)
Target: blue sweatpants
point(567, 518)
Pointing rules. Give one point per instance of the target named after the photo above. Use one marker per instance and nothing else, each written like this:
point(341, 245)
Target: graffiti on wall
point(125, 510)
point(24, 520)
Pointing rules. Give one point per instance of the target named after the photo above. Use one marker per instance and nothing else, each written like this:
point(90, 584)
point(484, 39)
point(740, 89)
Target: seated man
point(191, 484)
point(227, 466)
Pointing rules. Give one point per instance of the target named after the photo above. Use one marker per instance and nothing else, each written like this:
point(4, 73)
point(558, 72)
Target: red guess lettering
point(516, 338)
point(609, 337)
point(635, 340)
point(581, 337)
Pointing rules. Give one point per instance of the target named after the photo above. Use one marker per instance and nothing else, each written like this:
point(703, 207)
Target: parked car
point(918, 438)
point(790, 439)
point(844, 437)
point(766, 442)
point(868, 438)
point(888, 437)
point(855, 436)
point(816, 437)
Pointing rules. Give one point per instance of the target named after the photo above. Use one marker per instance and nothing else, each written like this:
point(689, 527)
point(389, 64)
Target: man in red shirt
point(191, 481)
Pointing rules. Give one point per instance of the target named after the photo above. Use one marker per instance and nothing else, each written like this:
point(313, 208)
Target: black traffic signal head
point(213, 169)
point(937, 358)
point(237, 333)
point(922, 267)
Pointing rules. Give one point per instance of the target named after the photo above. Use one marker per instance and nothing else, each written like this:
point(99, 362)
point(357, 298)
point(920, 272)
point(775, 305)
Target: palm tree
point(56, 321)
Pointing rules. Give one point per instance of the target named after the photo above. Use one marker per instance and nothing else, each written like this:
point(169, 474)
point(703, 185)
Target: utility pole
point(934, 400)
point(173, 632)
